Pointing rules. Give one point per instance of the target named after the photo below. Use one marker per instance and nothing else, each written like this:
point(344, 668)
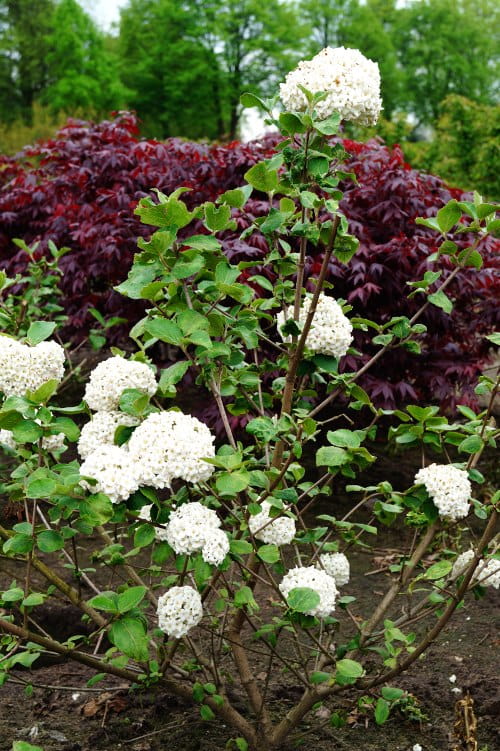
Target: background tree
point(24, 26)
point(447, 47)
point(82, 75)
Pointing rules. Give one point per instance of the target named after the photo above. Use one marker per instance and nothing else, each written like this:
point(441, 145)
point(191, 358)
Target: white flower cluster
point(194, 527)
point(145, 514)
point(312, 578)
point(52, 443)
point(351, 83)
point(331, 330)
point(111, 377)
point(115, 474)
point(170, 445)
point(448, 487)
point(179, 610)
point(101, 429)
point(337, 566)
point(487, 573)
point(279, 531)
point(24, 368)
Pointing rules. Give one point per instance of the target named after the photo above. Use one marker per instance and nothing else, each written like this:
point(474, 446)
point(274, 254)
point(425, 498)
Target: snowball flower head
point(337, 566)
point(7, 439)
point(279, 531)
point(448, 487)
point(145, 515)
point(111, 377)
point(312, 578)
point(170, 445)
point(179, 610)
point(330, 332)
point(115, 473)
point(487, 573)
point(100, 430)
point(24, 368)
point(194, 527)
point(350, 81)
point(216, 547)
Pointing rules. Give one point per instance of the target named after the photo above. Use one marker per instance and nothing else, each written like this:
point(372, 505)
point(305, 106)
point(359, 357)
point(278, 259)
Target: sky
point(104, 12)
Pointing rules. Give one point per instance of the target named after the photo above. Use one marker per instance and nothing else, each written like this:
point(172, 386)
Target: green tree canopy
point(81, 73)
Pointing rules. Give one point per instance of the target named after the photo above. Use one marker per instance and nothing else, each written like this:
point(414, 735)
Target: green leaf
point(23, 746)
point(348, 671)
point(97, 509)
point(244, 596)
point(441, 300)
point(345, 438)
point(237, 197)
point(18, 544)
point(241, 547)
point(67, 426)
point(448, 216)
point(331, 456)
point(165, 330)
point(40, 484)
point(129, 635)
point(49, 541)
point(206, 713)
point(319, 677)
point(391, 693)
point(188, 264)
point(382, 711)
point(231, 483)
point(144, 535)
point(494, 338)
point(106, 601)
point(134, 402)
point(130, 598)
point(39, 331)
point(291, 123)
point(471, 257)
point(217, 219)
point(329, 126)
point(12, 595)
point(252, 100)
point(172, 213)
point(303, 599)
point(269, 553)
point(44, 392)
point(438, 570)
point(34, 599)
point(471, 444)
point(27, 431)
point(262, 178)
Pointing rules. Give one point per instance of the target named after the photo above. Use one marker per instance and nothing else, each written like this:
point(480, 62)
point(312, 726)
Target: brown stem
point(286, 404)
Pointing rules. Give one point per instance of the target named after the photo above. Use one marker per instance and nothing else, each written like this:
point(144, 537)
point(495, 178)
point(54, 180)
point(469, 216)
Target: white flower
point(110, 378)
point(7, 439)
point(101, 430)
point(179, 610)
point(216, 547)
point(115, 472)
point(331, 330)
point(312, 578)
point(452, 678)
point(279, 531)
point(490, 575)
point(170, 445)
point(487, 573)
point(448, 487)
point(417, 747)
point(351, 83)
point(190, 527)
point(461, 563)
point(24, 368)
point(337, 566)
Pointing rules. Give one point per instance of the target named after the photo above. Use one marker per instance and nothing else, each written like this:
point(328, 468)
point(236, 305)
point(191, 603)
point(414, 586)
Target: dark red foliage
point(81, 188)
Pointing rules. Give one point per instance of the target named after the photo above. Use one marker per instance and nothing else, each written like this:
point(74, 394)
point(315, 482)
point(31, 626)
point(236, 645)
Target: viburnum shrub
point(228, 580)
point(80, 189)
